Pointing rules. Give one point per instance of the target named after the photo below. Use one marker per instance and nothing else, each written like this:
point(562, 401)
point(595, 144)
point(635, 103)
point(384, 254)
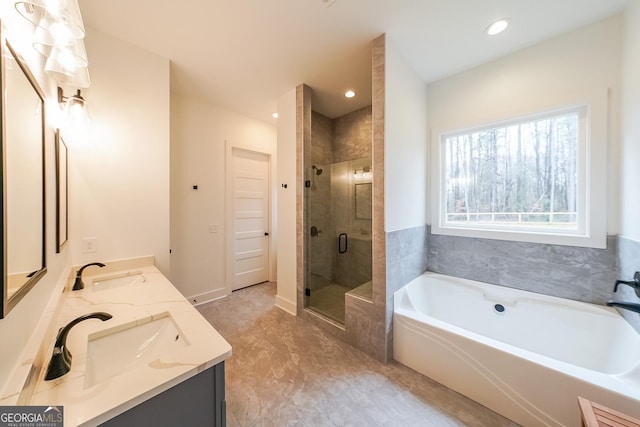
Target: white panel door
point(250, 191)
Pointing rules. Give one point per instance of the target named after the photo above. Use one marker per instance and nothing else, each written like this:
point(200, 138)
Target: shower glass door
point(338, 200)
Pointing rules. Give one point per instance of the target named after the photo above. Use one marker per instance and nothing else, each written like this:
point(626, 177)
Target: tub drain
point(499, 308)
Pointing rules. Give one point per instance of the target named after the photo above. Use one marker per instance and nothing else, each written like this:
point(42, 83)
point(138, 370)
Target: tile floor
point(287, 372)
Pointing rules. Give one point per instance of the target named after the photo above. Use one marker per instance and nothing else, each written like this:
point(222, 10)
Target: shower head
point(318, 171)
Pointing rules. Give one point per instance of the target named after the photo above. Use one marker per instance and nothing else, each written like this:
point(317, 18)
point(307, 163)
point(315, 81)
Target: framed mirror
point(62, 192)
point(23, 178)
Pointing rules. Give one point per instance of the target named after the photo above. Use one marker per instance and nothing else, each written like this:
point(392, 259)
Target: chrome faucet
point(77, 285)
point(60, 362)
point(625, 305)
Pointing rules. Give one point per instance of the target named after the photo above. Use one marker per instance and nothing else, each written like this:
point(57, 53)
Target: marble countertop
point(136, 304)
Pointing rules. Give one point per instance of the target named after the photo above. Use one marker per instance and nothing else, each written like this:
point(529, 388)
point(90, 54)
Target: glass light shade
point(42, 41)
point(61, 18)
point(65, 59)
point(76, 119)
point(79, 78)
point(32, 11)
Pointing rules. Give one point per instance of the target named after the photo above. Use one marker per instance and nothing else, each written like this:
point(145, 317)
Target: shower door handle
point(342, 243)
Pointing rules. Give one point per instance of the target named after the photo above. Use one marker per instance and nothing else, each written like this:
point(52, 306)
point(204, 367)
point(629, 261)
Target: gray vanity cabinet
point(198, 401)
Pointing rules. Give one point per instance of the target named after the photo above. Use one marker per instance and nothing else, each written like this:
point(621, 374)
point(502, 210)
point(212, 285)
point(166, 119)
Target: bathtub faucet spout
point(635, 283)
point(625, 305)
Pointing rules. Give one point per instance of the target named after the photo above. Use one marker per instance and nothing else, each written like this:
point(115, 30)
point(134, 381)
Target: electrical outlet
point(213, 228)
point(89, 245)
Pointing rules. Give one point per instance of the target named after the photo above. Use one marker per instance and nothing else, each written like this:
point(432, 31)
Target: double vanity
point(117, 343)
point(141, 354)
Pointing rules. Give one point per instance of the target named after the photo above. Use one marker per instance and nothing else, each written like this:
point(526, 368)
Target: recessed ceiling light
point(349, 94)
point(497, 27)
point(275, 115)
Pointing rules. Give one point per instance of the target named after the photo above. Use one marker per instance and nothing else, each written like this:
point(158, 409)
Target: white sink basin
point(123, 350)
point(121, 280)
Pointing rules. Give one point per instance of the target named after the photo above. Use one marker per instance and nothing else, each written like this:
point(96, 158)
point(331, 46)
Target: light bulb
point(76, 120)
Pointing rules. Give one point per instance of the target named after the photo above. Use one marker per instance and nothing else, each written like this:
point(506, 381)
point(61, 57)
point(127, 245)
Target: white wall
point(199, 134)
point(406, 144)
point(560, 70)
point(630, 144)
point(119, 184)
point(287, 209)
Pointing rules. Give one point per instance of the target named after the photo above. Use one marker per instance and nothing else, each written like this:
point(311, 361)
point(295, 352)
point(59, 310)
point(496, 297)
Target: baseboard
point(286, 305)
point(207, 297)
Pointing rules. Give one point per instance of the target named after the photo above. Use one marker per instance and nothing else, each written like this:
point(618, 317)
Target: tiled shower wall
point(335, 141)
point(321, 246)
point(364, 324)
point(352, 135)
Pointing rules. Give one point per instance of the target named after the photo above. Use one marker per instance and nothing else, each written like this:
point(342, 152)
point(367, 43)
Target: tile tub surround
point(129, 305)
point(582, 274)
point(285, 371)
point(406, 259)
point(628, 264)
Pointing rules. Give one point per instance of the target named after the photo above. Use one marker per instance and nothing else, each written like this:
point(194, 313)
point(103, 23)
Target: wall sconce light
point(75, 117)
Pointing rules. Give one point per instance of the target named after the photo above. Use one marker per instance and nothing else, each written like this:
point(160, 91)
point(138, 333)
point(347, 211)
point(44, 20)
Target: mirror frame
point(8, 303)
point(62, 186)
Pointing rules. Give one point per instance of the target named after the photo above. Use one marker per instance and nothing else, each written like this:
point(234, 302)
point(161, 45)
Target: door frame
point(229, 235)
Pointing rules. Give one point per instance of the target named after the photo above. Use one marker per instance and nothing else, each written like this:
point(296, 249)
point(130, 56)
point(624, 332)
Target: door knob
point(266, 233)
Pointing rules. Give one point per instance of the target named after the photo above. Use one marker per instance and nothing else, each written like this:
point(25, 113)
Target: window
point(521, 174)
point(524, 177)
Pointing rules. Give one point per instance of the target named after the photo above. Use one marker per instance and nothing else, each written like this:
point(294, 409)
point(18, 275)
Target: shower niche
point(338, 213)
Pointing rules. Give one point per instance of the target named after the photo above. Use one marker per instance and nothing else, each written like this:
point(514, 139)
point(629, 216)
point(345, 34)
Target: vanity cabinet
point(198, 401)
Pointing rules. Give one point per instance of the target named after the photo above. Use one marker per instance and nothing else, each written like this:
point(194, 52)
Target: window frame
point(591, 170)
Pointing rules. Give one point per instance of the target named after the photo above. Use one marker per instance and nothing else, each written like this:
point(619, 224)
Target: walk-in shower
point(337, 213)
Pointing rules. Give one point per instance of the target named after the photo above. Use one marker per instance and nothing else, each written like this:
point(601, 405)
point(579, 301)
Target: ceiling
point(244, 54)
